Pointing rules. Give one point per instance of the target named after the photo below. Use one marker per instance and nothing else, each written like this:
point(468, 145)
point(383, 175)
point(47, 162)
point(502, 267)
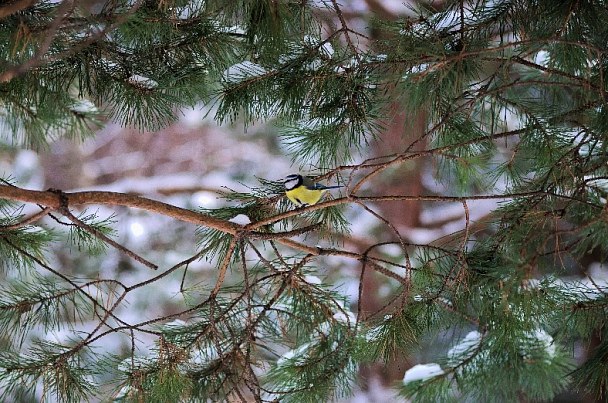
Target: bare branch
point(53, 200)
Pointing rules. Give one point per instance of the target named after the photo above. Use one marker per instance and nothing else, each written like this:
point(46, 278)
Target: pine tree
point(514, 98)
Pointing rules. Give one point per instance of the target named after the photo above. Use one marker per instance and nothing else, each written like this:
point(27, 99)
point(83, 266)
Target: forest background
point(156, 258)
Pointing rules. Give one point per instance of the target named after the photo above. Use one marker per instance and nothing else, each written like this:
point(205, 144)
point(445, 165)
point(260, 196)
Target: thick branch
point(53, 200)
point(11, 7)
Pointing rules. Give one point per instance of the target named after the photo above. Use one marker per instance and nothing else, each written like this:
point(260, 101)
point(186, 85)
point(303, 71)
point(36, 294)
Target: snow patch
point(84, 106)
point(312, 280)
point(243, 71)
point(142, 82)
point(465, 348)
point(422, 372)
point(241, 219)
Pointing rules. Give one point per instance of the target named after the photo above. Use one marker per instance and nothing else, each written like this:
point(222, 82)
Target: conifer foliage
point(513, 94)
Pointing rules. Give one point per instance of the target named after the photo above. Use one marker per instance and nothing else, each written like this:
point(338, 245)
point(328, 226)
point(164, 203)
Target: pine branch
point(41, 56)
point(63, 11)
point(29, 220)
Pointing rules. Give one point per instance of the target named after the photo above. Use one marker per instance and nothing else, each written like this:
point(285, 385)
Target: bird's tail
point(333, 187)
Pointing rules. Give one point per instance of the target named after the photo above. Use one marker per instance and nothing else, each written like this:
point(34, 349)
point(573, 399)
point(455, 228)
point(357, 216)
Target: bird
point(303, 191)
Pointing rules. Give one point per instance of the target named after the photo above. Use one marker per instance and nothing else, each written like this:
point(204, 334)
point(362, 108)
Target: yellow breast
point(301, 196)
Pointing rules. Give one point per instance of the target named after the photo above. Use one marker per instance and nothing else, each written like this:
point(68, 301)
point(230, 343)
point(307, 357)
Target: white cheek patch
point(290, 184)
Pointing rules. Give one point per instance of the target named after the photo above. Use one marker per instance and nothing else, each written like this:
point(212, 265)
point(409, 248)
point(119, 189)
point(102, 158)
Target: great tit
point(303, 191)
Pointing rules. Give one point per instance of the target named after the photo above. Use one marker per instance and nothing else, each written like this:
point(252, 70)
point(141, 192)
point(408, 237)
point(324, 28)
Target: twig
point(286, 234)
point(186, 263)
point(33, 218)
point(346, 30)
point(225, 264)
point(394, 229)
point(65, 211)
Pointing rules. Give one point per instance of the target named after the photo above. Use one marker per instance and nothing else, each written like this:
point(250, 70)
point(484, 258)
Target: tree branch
point(12, 7)
point(53, 200)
